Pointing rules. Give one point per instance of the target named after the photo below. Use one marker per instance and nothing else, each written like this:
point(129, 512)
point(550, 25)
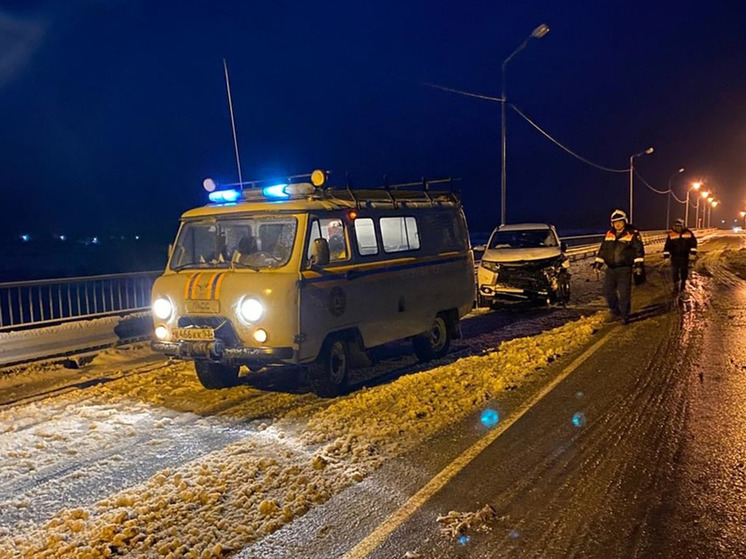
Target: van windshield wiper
point(237, 264)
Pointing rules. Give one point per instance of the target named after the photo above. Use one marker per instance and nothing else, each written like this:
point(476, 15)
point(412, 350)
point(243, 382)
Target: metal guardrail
point(25, 304)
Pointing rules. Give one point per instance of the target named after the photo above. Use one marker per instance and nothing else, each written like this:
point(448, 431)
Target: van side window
point(399, 234)
point(333, 231)
point(315, 233)
point(365, 234)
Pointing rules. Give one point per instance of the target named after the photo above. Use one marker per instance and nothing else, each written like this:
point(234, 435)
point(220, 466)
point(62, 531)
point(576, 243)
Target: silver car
point(523, 262)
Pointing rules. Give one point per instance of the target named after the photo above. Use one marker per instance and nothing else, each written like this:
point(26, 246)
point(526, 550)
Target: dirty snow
point(149, 463)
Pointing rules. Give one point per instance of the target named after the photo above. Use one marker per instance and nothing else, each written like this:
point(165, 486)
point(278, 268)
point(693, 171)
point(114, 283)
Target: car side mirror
point(479, 248)
point(320, 252)
point(563, 246)
point(170, 250)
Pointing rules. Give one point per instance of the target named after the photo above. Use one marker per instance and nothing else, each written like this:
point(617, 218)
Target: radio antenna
point(233, 122)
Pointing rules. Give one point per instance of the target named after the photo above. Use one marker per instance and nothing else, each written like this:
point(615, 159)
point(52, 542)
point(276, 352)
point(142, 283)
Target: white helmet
point(618, 215)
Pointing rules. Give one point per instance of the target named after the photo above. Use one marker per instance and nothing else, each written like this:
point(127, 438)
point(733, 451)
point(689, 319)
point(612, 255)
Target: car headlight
point(162, 308)
point(251, 310)
point(491, 266)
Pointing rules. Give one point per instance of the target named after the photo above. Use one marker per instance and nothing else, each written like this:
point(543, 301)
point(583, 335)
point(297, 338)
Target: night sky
point(113, 112)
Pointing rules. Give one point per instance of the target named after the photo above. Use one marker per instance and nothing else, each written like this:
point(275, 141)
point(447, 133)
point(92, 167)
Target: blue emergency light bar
point(224, 196)
point(277, 191)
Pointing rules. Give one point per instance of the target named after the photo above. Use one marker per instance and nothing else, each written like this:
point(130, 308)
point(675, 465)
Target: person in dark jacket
point(624, 255)
point(680, 245)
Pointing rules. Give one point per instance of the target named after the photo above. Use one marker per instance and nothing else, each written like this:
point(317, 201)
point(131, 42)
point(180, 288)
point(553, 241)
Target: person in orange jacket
point(623, 253)
point(681, 245)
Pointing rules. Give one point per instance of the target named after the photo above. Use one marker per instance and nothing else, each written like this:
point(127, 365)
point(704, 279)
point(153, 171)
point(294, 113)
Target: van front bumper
point(217, 350)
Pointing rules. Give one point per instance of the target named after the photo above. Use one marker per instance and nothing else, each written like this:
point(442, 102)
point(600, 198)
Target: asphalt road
point(636, 450)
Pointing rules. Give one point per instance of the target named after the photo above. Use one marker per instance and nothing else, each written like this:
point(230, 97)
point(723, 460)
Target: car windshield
point(253, 242)
point(528, 238)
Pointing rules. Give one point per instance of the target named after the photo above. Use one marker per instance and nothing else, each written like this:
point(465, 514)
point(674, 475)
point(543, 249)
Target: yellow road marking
point(376, 538)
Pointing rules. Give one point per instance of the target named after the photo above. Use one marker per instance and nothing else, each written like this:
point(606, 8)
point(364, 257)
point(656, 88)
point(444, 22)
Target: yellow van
point(302, 274)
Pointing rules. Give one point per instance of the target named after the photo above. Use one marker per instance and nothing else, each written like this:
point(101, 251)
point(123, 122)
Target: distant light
point(137, 237)
point(463, 540)
point(62, 237)
point(94, 240)
point(209, 184)
point(25, 238)
point(489, 418)
point(223, 196)
point(275, 191)
point(578, 419)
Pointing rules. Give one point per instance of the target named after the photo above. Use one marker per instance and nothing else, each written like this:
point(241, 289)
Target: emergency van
point(300, 273)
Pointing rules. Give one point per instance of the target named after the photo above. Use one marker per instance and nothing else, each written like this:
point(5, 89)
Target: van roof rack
point(401, 195)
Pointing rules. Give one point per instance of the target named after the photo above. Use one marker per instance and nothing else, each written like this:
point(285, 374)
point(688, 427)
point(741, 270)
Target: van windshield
point(529, 238)
point(254, 242)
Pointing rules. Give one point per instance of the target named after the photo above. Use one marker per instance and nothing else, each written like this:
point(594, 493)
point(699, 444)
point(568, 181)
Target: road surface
point(600, 440)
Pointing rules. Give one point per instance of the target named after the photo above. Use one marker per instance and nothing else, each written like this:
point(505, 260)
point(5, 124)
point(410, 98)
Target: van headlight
point(251, 310)
point(162, 308)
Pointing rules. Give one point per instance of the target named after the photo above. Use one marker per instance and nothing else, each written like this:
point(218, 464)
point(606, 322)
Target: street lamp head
point(650, 150)
point(540, 31)
point(705, 194)
point(681, 170)
point(715, 203)
point(696, 185)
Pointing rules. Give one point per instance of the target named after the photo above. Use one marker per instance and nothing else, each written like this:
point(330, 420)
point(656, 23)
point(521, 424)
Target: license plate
point(194, 334)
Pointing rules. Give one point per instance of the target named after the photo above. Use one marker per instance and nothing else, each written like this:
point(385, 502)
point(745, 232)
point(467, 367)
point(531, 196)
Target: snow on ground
point(151, 464)
point(299, 451)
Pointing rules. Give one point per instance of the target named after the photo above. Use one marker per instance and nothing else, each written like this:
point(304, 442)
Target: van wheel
point(328, 373)
point(434, 343)
point(216, 375)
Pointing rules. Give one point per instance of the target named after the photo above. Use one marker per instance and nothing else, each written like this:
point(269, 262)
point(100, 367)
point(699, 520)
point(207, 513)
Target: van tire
point(434, 343)
point(216, 375)
point(328, 374)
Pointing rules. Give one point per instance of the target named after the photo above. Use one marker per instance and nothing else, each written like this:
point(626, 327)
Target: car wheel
point(434, 343)
point(327, 375)
point(216, 375)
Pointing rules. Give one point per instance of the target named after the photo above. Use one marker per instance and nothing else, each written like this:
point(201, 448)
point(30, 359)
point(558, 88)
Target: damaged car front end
point(524, 263)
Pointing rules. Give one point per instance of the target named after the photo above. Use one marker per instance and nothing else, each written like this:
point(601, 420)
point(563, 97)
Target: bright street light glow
point(696, 185)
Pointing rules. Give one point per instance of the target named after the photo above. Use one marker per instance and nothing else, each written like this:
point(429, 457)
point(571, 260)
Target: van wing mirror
point(320, 252)
point(563, 246)
point(480, 248)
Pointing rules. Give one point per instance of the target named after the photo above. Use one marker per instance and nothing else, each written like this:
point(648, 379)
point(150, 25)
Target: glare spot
point(463, 540)
point(579, 395)
point(25, 238)
point(578, 419)
point(513, 534)
point(489, 418)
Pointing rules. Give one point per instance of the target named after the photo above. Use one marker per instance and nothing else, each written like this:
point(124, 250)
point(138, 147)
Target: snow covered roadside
point(34, 343)
point(222, 501)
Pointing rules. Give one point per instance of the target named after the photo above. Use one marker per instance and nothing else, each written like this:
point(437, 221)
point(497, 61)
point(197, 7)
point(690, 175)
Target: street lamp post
point(705, 194)
point(668, 198)
point(632, 180)
point(713, 204)
point(695, 186)
point(537, 33)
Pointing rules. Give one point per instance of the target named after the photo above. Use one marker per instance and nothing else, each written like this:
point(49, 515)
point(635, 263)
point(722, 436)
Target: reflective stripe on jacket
point(680, 244)
point(621, 249)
